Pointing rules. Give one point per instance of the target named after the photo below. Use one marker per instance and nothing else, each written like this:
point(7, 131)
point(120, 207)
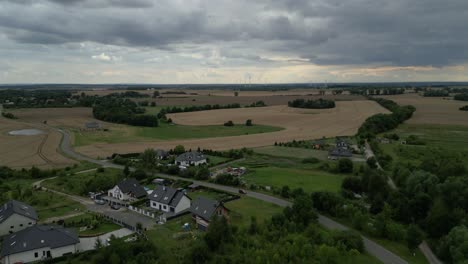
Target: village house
point(192, 158)
point(38, 243)
point(341, 143)
point(128, 190)
point(161, 154)
point(167, 199)
point(204, 209)
point(16, 216)
point(338, 153)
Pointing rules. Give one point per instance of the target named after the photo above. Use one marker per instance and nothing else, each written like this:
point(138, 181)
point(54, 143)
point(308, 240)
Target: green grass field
point(453, 139)
point(287, 152)
point(165, 131)
point(307, 179)
point(243, 209)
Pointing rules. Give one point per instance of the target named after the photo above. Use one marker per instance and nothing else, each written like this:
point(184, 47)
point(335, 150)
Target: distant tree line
point(436, 93)
point(312, 104)
point(461, 97)
point(464, 108)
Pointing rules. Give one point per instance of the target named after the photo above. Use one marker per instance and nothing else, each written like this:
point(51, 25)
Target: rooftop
point(13, 206)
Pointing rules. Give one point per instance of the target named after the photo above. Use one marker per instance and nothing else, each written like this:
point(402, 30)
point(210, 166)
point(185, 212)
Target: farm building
point(127, 190)
point(38, 243)
point(168, 199)
point(192, 158)
point(341, 143)
point(204, 209)
point(16, 216)
point(92, 125)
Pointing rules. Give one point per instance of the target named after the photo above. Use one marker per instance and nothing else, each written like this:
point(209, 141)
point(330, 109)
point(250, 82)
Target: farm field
point(25, 151)
point(433, 110)
point(299, 124)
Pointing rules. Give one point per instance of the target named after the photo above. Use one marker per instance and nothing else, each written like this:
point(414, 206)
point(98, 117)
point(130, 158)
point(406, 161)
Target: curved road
point(372, 248)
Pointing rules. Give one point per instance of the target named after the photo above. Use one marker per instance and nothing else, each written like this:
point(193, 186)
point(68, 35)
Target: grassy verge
point(165, 131)
point(243, 209)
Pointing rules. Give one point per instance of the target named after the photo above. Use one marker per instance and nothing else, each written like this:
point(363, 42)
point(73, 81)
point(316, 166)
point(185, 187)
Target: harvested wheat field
point(299, 124)
point(24, 151)
point(433, 110)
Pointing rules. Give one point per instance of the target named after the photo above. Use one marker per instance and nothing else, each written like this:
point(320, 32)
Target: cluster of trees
point(9, 115)
point(20, 98)
point(386, 91)
point(124, 111)
point(461, 97)
point(194, 108)
point(414, 140)
point(129, 94)
point(436, 93)
point(312, 104)
point(464, 108)
point(380, 123)
point(292, 236)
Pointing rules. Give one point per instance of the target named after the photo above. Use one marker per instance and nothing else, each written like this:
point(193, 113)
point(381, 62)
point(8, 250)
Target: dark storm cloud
point(329, 32)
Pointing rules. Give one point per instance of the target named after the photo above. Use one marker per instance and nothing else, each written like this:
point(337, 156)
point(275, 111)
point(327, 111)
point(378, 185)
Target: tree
point(345, 165)
point(414, 237)
point(453, 248)
point(302, 211)
point(149, 158)
point(229, 123)
point(352, 183)
point(203, 173)
point(155, 94)
point(285, 191)
point(218, 233)
point(372, 162)
point(248, 122)
point(253, 228)
point(236, 93)
point(179, 149)
point(139, 174)
point(349, 240)
point(126, 171)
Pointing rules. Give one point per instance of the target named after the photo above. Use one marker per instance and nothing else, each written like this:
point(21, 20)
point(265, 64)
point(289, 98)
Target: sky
point(236, 41)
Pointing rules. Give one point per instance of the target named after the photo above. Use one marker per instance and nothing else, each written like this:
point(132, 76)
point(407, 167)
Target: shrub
point(229, 123)
point(311, 160)
point(345, 165)
point(248, 122)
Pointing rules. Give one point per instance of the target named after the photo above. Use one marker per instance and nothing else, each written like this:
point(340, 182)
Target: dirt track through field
point(299, 124)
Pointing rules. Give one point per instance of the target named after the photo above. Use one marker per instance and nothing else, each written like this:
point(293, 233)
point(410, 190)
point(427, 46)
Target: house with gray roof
point(129, 189)
point(338, 153)
point(191, 158)
point(204, 209)
point(16, 216)
point(38, 243)
point(167, 199)
point(161, 154)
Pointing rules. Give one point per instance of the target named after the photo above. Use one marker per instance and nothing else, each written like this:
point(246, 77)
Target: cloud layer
point(325, 35)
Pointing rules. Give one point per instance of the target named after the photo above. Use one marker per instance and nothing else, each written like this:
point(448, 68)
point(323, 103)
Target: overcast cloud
point(175, 41)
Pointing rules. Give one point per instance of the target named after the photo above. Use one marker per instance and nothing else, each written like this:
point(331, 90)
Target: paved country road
point(372, 248)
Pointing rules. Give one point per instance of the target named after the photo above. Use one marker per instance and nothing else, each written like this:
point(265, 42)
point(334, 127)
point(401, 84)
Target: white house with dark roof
point(16, 216)
point(38, 243)
point(204, 209)
point(191, 158)
point(128, 189)
point(168, 199)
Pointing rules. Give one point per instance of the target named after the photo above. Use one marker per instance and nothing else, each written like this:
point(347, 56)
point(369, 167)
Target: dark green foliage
point(349, 240)
point(436, 93)
point(461, 97)
point(372, 162)
point(392, 136)
point(345, 165)
point(194, 108)
point(285, 191)
point(464, 108)
point(312, 104)
point(453, 248)
point(248, 122)
point(311, 160)
point(352, 183)
point(219, 232)
point(9, 115)
point(414, 237)
point(123, 111)
point(414, 140)
point(229, 123)
point(227, 179)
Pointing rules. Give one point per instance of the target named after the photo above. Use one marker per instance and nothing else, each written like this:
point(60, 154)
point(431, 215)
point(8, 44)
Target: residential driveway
point(88, 243)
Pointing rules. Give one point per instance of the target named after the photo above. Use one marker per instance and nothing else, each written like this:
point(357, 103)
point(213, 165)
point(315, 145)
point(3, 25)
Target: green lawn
point(165, 131)
point(287, 152)
point(79, 221)
point(216, 160)
point(207, 194)
point(80, 184)
point(241, 210)
point(307, 179)
point(48, 204)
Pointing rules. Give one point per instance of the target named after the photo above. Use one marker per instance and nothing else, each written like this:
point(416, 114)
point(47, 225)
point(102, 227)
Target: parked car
point(100, 202)
point(242, 191)
point(115, 207)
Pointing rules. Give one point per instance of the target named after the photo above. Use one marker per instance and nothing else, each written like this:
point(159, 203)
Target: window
point(36, 255)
